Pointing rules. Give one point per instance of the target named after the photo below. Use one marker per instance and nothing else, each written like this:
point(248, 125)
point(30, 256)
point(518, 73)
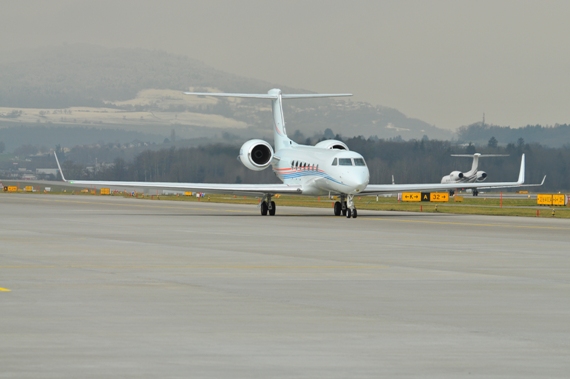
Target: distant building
point(46, 171)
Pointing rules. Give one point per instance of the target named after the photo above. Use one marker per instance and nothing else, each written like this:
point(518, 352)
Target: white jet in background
point(470, 176)
point(327, 169)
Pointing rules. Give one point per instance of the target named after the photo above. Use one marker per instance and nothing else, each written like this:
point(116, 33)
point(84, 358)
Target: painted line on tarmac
point(471, 224)
point(137, 205)
point(5, 290)
point(206, 267)
point(156, 206)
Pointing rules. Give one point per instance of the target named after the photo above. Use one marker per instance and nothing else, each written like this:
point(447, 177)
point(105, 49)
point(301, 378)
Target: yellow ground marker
point(4, 289)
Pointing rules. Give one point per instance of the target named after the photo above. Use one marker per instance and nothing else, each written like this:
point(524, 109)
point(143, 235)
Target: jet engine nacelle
point(456, 176)
point(332, 144)
point(256, 154)
point(481, 175)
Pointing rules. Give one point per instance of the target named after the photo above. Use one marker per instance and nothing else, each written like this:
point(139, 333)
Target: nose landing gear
point(345, 207)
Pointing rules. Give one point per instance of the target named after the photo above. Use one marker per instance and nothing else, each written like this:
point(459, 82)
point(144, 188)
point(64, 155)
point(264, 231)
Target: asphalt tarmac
point(94, 286)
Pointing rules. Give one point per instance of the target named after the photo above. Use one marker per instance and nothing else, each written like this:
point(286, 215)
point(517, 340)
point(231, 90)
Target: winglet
point(59, 166)
point(543, 179)
point(521, 173)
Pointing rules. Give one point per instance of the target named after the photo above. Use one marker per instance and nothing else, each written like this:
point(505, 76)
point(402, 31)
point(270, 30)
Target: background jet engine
point(456, 176)
point(481, 175)
point(256, 154)
point(332, 144)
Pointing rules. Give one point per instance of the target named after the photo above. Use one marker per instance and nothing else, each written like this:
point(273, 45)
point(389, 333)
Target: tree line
point(409, 162)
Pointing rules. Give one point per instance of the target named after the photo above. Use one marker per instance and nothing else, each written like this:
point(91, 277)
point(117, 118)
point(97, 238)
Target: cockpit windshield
point(359, 162)
point(345, 162)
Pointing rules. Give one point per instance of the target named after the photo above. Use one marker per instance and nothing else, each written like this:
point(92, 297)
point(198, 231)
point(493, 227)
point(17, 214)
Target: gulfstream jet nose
point(359, 180)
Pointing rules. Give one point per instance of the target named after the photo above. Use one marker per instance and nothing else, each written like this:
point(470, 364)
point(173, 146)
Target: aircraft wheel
point(475, 192)
point(348, 213)
point(273, 208)
point(354, 213)
point(337, 208)
point(264, 208)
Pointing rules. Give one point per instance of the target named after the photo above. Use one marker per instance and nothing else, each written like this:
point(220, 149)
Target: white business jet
point(472, 175)
point(327, 169)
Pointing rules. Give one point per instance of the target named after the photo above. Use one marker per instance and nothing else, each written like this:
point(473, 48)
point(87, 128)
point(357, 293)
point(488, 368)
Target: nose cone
point(359, 180)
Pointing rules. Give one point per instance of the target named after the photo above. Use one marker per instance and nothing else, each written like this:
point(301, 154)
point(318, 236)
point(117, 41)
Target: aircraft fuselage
point(322, 171)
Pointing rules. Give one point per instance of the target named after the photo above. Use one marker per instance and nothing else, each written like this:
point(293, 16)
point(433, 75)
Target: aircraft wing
point(373, 189)
point(234, 189)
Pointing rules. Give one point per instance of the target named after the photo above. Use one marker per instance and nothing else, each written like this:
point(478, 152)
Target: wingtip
point(522, 171)
point(59, 167)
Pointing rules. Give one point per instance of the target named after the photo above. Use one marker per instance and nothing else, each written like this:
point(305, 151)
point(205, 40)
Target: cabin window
point(359, 162)
point(334, 162)
point(345, 162)
point(293, 164)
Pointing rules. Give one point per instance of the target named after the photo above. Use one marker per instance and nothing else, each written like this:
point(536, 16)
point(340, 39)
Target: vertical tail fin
point(475, 163)
point(279, 132)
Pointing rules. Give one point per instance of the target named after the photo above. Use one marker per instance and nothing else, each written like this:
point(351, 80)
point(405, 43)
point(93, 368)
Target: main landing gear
point(267, 206)
point(345, 207)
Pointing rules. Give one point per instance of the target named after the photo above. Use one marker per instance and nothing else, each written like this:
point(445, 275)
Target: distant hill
point(553, 136)
point(92, 76)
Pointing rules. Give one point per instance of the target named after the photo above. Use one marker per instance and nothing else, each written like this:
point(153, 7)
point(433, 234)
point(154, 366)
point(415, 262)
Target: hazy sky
point(445, 62)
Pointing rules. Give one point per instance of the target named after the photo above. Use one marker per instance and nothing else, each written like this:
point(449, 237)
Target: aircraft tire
point(264, 208)
point(337, 208)
point(273, 208)
point(348, 213)
point(354, 213)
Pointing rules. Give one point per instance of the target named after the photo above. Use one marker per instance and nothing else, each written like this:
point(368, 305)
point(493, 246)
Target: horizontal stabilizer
point(479, 155)
point(270, 95)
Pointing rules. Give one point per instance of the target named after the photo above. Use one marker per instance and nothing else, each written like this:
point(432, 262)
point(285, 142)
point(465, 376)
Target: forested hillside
point(47, 137)
point(555, 136)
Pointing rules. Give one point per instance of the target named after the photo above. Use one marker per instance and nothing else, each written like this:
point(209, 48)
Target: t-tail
point(476, 157)
point(276, 96)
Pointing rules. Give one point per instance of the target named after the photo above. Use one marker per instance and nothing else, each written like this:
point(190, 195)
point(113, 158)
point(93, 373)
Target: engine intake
point(256, 154)
point(481, 175)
